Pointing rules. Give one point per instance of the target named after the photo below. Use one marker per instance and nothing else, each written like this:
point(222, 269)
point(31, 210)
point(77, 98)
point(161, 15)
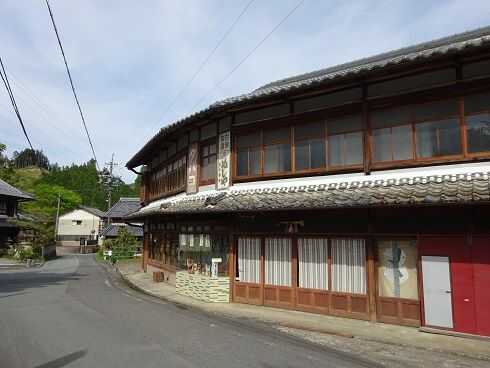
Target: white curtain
point(313, 263)
point(349, 266)
point(278, 261)
point(249, 260)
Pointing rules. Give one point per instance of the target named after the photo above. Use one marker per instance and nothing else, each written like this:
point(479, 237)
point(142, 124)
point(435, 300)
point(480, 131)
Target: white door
point(437, 291)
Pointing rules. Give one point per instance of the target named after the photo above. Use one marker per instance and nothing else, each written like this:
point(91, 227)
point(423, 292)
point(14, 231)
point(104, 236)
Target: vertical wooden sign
point(192, 169)
point(224, 161)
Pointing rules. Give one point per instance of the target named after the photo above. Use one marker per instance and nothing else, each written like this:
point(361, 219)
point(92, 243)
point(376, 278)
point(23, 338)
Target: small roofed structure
point(10, 197)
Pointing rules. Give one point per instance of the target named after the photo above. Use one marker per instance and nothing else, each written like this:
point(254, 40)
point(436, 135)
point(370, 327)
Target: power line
point(6, 83)
point(249, 54)
point(71, 83)
point(206, 60)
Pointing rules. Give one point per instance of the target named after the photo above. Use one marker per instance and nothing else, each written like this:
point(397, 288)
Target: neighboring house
point(360, 190)
point(114, 218)
point(84, 223)
point(9, 201)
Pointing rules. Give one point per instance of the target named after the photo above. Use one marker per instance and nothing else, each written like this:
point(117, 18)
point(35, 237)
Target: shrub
point(124, 246)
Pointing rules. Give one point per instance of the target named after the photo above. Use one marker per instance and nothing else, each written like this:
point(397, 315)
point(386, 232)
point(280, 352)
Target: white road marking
point(107, 283)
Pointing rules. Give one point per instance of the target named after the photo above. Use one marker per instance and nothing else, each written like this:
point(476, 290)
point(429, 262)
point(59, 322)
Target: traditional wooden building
point(9, 203)
point(360, 190)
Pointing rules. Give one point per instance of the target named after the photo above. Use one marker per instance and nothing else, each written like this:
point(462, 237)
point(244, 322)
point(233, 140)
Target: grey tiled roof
point(123, 207)
point(93, 211)
point(11, 191)
point(112, 230)
point(425, 51)
point(428, 190)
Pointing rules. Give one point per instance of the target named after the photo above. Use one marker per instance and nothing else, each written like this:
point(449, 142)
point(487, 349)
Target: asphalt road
point(73, 313)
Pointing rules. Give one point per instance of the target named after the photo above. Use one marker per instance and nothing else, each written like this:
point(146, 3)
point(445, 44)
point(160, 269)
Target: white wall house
point(84, 222)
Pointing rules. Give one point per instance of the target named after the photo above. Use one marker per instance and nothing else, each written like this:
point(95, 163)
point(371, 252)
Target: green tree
point(124, 246)
point(46, 202)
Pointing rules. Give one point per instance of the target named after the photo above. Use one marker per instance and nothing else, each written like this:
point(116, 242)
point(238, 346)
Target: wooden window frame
point(207, 143)
point(235, 156)
point(465, 130)
point(163, 185)
point(331, 167)
point(275, 143)
point(393, 161)
point(323, 137)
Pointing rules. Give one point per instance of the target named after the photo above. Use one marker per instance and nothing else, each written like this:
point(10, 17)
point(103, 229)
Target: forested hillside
point(76, 185)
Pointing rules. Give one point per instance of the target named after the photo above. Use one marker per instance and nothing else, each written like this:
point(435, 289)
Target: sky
point(130, 59)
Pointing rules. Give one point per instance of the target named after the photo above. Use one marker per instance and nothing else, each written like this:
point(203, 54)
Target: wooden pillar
point(371, 277)
point(371, 268)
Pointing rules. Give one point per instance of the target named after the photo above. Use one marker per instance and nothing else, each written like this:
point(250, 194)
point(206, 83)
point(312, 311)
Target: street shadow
point(20, 282)
point(64, 360)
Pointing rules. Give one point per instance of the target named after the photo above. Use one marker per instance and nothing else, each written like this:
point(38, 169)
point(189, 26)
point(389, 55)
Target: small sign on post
point(215, 266)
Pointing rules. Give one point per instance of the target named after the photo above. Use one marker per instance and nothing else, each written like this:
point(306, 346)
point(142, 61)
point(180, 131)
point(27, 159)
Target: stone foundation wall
point(205, 288)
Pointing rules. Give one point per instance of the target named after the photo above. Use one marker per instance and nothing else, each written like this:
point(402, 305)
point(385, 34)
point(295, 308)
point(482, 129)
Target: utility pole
point(57, 218)
point(109, 189)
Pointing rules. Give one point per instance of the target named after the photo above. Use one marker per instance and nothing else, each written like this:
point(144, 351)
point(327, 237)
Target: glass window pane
point(397, 269)
point(438, 138)
point(335, 150)
point(382, 144)
point(311, 130)
point(317, 158)
point(353, 148)
point(302, 153)
point(277, 158)
point(402, 142)
point(349, 266)
point(276, 135)
point(449, 137)
point(212, 149)
point(242, 162)
point(254, 160)
point(478, 133)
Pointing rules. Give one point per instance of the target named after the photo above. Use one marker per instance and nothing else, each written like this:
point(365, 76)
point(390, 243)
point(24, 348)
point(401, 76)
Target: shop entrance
point(314, 274)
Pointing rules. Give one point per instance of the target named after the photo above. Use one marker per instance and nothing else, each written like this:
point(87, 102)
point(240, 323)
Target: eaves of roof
point(10, 191)
point(421, 190)
point(422, 52)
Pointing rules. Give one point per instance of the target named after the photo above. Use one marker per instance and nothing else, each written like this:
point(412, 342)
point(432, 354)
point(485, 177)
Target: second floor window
point(248, 154)
point(345, 141)
point(309, 145)
point(277, 150)
point(208, 163)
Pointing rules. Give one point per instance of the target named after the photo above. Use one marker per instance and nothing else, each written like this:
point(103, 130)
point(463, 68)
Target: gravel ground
point(392, 356)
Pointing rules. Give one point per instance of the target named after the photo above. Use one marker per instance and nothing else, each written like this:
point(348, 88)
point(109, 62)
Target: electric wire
point(250, 53)
point(6, 83)
point(72, 85)
point(207, 59)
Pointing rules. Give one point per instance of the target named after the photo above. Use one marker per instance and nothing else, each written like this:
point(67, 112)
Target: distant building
point(84, 223)
point(9, 201)
point(114, 218)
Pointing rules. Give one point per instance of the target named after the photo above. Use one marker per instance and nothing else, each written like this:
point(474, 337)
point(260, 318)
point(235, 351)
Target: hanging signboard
point(224, 161)
point(192, 169)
